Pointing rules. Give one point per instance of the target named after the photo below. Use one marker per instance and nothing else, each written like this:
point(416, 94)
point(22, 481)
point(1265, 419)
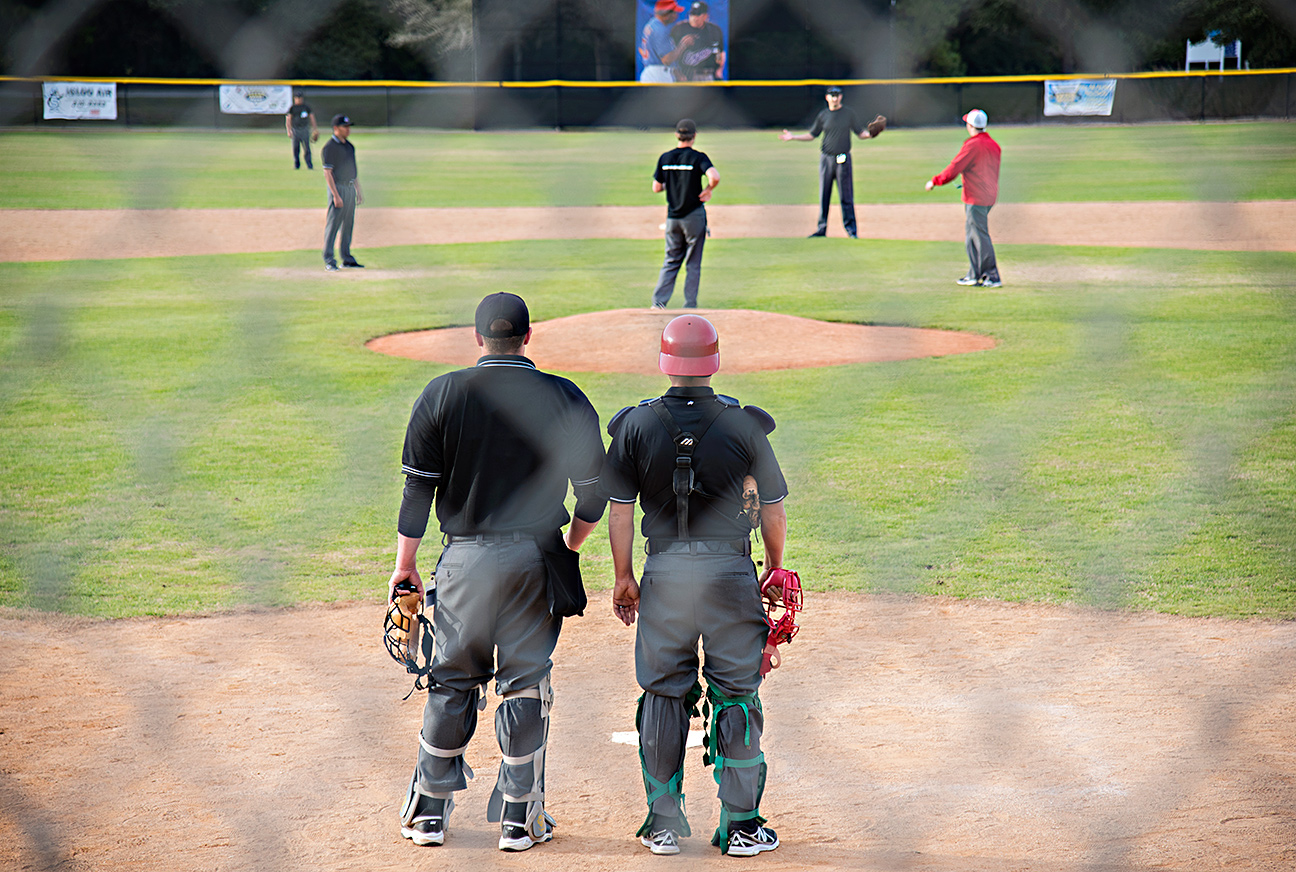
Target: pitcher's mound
point(627, 340)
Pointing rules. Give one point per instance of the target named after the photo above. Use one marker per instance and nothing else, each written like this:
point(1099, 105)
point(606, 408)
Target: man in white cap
point(978, 163)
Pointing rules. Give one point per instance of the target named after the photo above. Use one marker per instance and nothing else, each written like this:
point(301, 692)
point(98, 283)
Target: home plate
point(632, 738)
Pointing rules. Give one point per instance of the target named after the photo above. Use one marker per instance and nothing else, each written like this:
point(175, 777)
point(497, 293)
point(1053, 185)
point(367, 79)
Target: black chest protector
point(684, 479)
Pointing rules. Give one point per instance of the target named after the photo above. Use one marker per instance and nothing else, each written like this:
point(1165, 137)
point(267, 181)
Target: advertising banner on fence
point(255, 99)
point(1079, 96)
point(681, 42)
point(95, 101)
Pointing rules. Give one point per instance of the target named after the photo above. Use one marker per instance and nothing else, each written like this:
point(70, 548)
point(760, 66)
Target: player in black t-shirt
point(301, 127)
point(836, 123)
point(700, 46)
point(688, 178)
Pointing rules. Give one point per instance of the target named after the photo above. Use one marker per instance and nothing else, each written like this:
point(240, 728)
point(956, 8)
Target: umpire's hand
point(625, 600)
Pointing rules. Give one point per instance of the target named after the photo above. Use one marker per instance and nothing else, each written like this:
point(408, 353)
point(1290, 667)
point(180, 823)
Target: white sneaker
point(743, 844)
point(662, 842)
point(968, 280)
point(991, 283)
point(514, 837)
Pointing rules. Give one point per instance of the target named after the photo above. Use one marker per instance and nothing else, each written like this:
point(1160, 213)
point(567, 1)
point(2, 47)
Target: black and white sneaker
point(968, 280)
point(991, 283)
point(331, 267)
point(427, 828)
point(749, 844)
point(661, 842)
point(514, 837)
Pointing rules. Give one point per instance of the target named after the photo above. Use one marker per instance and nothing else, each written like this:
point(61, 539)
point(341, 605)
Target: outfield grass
point(188, 434)
point(149, 169)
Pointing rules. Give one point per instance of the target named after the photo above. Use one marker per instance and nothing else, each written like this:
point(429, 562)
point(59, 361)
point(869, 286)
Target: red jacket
point(978, 161)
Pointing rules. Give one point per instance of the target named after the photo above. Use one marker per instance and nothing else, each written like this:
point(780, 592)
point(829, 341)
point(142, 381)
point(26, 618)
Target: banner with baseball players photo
point(82, 101)
point(685, 41)
point(255, 99)
point(1079, 96)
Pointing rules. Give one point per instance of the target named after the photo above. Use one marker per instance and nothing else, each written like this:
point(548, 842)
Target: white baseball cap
point(977, 119)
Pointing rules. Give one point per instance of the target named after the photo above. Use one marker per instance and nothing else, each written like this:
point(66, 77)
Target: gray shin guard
point(518, 771)
point(409, 811)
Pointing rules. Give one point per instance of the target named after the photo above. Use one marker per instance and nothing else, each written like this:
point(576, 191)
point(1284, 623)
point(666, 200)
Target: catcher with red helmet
point(686, 457)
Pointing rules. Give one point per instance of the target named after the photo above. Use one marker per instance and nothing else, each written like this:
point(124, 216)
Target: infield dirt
point(902, 734)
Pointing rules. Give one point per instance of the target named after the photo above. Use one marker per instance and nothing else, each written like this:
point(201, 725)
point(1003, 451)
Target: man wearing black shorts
point(496, 445)
point(338, 156)
point(836, 123)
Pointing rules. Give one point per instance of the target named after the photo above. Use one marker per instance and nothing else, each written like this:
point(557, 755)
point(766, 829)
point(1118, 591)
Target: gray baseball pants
point(491, 594)
point(715, 597)
point(340, 218)
point(685, 239)
point(980, 250)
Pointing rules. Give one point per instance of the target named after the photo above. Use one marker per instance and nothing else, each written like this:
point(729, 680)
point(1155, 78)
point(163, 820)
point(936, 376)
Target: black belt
point(488, 538)
point(699, 546)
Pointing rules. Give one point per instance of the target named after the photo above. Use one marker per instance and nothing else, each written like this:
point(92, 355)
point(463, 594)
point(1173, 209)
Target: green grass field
point(191, 434)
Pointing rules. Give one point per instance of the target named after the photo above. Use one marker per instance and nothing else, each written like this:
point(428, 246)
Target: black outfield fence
point(1140, 97)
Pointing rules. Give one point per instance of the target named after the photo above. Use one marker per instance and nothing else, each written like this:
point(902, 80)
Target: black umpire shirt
point(339, 157)
point(641, 462)
point(680, 171)
point(836, 128)
point(499, 442)
point(300, 115)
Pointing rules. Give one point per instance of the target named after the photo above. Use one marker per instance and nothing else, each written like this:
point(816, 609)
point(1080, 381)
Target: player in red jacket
point(978, 163)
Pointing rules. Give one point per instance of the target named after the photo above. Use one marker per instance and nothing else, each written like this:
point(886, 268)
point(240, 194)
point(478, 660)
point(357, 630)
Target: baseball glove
point(876, 126)
point(751, 502)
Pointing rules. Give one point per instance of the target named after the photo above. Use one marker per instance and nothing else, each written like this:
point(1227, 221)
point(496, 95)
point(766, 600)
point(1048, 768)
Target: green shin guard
point(715, 703)
point(673, 787)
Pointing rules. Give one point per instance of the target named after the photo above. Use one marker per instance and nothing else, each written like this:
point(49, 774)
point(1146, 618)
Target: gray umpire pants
point(980, 250)
point(340, 218)
point(715, 597)
point(491, 594)
point(685, 239)
point(300, 146)
point(842, 173)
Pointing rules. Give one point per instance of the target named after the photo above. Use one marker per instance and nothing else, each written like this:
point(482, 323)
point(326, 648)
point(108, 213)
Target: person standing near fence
point(836, 123)
point(978, 163)
point(338, 157)
point(302, 129)
point(688, 178)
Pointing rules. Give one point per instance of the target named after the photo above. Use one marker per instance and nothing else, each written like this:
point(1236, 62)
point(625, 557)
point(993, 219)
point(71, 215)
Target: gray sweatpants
point(685, 239)
point(489, 596)
point(980, 250)
point(714, 597)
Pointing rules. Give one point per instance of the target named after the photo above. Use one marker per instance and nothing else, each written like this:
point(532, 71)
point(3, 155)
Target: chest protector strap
point(684, 480)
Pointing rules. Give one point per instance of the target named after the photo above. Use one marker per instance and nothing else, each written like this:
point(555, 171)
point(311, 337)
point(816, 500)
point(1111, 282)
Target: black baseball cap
point(341, 121)
point(686, 128)
point(834, 89)
point(502, 315)
point(699, 8)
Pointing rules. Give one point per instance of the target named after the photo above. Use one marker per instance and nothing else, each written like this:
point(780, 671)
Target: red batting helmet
point(690, 346)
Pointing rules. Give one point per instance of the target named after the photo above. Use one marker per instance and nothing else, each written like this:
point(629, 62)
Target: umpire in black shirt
point(496, 445)
point(836, 123)
point(338, 157)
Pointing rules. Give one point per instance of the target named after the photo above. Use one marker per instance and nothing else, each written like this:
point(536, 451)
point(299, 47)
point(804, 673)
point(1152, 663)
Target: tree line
point(466, 40)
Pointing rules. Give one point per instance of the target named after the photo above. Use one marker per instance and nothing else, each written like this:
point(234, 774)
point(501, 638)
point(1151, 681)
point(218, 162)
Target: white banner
point(1079, 96)
point(80, 100)
point(255, 99)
